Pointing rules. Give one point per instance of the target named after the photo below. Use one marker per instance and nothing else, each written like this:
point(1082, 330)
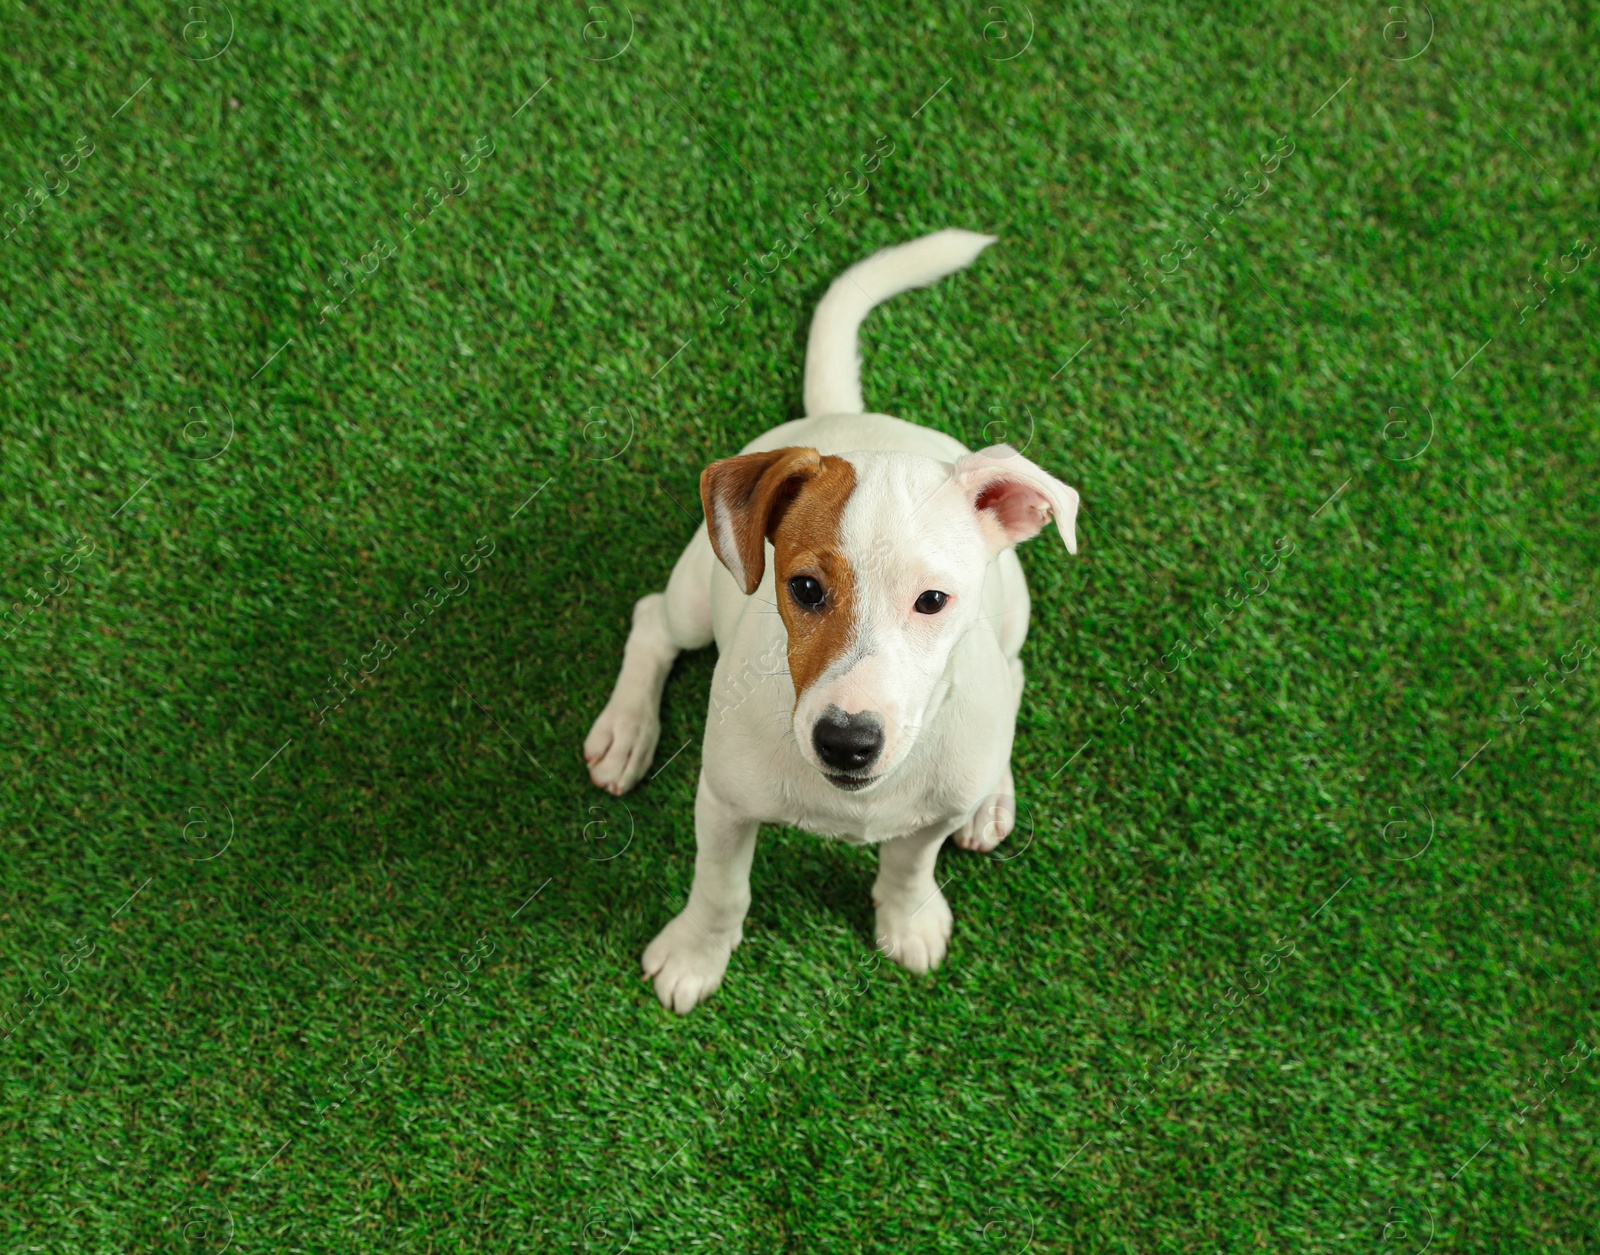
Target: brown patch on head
point(808, 541)
point(796, 499)
point(745, 498)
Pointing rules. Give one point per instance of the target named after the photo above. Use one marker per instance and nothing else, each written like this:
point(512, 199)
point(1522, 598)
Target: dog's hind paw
point(993, 821)
point(620, 746)
point(916, 937)
point(687, 963)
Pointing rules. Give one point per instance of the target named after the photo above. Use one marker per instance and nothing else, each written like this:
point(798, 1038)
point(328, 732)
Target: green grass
point(255, 492)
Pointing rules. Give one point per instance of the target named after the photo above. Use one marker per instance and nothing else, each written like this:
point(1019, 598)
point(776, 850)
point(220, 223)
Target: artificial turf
point(324, 312)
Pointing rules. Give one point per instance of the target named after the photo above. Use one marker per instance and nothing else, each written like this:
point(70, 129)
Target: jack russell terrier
point(879, 557)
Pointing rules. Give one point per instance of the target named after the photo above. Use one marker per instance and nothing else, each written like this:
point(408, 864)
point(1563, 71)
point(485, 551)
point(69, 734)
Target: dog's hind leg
point(996, 816)
point(622, 742)
point(994, 819)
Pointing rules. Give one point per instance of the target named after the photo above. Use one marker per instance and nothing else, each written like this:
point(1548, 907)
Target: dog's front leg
point(689, 955)
point(914, 920)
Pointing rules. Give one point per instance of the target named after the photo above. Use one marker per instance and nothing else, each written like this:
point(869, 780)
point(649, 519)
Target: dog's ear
point(1014, 498)
point(744, 498)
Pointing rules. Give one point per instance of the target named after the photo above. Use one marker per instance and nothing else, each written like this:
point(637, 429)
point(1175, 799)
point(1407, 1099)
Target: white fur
point(727, 540)
point(947, 686)
point(833, 361)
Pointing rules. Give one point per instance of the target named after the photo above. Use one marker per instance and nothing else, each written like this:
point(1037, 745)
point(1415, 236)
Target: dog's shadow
point(802, 875)
point(795, 874)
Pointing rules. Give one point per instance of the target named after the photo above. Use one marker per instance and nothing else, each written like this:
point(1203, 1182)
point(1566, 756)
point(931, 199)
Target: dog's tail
point(833, 360)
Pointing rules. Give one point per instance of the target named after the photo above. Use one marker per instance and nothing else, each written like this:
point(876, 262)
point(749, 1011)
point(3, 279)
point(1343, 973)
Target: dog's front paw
point(621, 744)
point(687, 963)
point(993, 821)
point(916, 936)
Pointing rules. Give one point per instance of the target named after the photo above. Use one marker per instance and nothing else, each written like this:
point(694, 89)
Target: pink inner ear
point(1020, 509)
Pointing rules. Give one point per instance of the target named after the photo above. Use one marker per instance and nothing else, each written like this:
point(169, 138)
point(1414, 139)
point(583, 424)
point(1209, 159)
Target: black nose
point(847, 742)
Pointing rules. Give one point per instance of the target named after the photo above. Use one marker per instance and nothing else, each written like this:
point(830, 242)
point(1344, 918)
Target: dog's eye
point(931, 602)
point(807, 591)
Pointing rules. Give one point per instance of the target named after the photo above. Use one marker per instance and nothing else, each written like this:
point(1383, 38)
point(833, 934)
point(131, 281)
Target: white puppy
point(876, 558)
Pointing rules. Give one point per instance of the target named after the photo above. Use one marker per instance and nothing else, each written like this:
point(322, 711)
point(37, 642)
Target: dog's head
point(879, 560)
